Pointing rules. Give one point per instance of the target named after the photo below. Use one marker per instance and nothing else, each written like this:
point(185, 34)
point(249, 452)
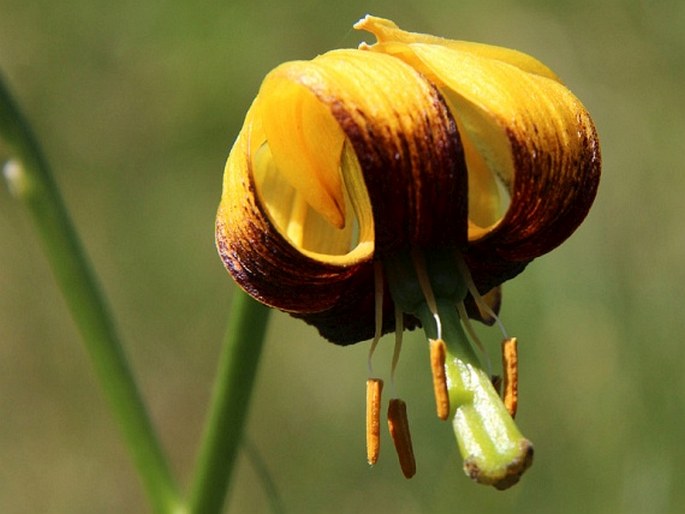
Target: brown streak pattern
point(414, 170)
point(552, 193)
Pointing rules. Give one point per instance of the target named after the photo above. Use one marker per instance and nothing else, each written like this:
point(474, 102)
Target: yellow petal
point(402, 173)
point(485, 203)
point(387, 32)
point(258, 255)
point(306, 144)
point(403, 136)
point(507, 106)
point(532, 132)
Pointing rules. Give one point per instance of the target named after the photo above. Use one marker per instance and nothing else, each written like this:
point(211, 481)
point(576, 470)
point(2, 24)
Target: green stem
point(494, 451)
point(30, 180)
point(228, 412)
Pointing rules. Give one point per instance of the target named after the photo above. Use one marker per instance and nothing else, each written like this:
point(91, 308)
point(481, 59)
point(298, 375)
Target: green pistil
point(494, 451)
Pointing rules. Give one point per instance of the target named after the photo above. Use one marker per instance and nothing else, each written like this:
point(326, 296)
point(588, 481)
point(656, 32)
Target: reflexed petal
point(400, 159)
point(485, 202)
point(406, 143)
point(254, 251)
point(306, 144)
point(533, 135)
point(387, 32)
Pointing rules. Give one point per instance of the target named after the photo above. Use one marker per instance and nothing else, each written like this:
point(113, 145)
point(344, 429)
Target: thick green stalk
point(494, 451)
point(229, 407)
point(30, 180)
point(430, 286)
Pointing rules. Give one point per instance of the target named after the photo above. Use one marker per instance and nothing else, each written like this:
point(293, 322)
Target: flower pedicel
point(399, 185)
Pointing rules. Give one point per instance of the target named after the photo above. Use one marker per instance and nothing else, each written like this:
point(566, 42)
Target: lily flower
point(399, 185)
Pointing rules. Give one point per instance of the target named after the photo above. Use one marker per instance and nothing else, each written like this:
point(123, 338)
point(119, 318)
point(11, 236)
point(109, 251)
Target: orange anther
point(399, 431)
point(510, 369)
point(442, 399)
point(374, 387)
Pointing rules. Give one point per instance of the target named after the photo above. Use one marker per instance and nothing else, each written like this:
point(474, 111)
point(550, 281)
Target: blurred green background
point(137, 104)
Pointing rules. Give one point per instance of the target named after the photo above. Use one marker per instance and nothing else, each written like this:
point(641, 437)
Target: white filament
point(478, 298)
point(424, 282)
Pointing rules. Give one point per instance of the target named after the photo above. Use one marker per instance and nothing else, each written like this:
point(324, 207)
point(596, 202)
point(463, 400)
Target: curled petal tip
point(375, 24)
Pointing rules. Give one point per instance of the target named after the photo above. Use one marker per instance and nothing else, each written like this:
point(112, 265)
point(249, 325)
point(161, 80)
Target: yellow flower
point(369, 189)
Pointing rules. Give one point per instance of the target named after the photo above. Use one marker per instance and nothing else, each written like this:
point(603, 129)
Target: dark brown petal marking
point(413, 166)
point(415, 184)
point(414, 170)
point(552, 194)
point(266, 266)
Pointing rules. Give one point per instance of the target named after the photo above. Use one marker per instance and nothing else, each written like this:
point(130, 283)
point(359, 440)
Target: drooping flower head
point(399, 184)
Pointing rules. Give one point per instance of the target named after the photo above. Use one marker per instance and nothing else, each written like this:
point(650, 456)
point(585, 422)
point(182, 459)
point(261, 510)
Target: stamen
point(478, 298)
point(374, 387)
point(378, 289)
point(399, 431)
point(424, 282)
point(437, 357)
point(399, 331)
point(510, 369)
point(464, 317)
